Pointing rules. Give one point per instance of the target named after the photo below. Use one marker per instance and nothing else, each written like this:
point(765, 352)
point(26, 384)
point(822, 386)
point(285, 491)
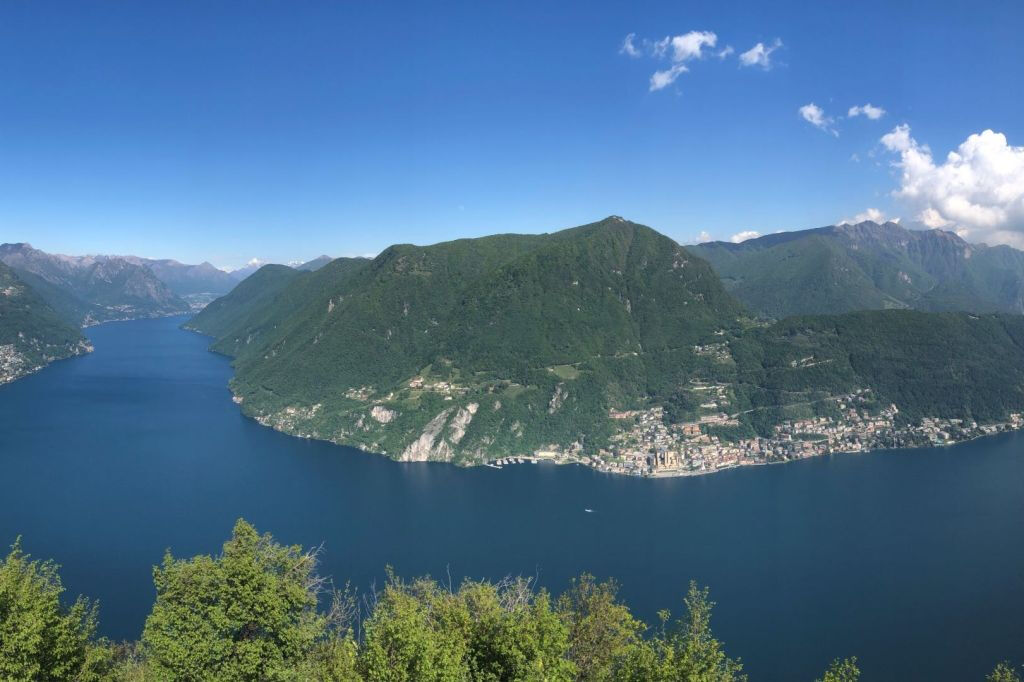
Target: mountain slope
point(435, 332)
point(186, 280)
point(586, 342)
point(32, 334)
point(91, 289)
point(315, 264)
point(843, 268)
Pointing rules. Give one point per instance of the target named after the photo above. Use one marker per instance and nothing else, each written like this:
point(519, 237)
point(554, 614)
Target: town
point(647, 446)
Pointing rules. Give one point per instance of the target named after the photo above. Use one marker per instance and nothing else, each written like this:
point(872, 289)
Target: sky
point(225, 131)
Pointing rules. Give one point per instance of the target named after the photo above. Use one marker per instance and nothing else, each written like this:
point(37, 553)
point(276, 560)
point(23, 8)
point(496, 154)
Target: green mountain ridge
point(32, 334)
point(868, 266)
point(475, 349)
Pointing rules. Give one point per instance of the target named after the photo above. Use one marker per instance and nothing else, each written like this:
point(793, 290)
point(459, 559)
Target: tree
point(41, 640)
point(514, 634)
point(416, 632)
point(1003, 672)
point(249, 614)
point(601, 629)
point(845, 670)
point(688, 652)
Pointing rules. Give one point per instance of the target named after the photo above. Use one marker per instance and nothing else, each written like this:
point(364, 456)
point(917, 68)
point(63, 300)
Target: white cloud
point(663, 79)
point(872, 214)
point(815, 115)
point(725, 52)
point(690, 45)
point(628, 47)
point(744, 236)
point(678, 50)
point(978, 190)
point(760, 55)
point(872, 112)
point(704, 236)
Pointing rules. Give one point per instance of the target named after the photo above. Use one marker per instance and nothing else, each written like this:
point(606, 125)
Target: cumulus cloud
point(978, 190)
point(760, 55)
point(815, 115)
point(872, 214)
point(725, 52)
point(744, 236)
point(869, 110)
point(704, 236)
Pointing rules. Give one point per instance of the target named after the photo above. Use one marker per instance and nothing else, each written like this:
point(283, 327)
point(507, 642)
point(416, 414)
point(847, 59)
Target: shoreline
point(605, 468)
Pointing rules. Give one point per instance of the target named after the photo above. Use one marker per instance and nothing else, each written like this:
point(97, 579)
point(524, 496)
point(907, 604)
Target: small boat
point(589, 511)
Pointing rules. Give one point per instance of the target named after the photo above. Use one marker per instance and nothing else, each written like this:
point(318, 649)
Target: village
point(647, 446)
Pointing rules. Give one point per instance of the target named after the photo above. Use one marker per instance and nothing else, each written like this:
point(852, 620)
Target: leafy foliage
point(248, 614)
point(40, 639)
point(254, 613)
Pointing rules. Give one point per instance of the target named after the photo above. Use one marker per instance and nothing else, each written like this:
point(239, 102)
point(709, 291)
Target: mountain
point(604, 341)
point(32, 334)
point(186, 280)
point(91, 289)
point(843, 268)
point(497, 321)
point(315, 264)
point(246, 270)
point(230, 314)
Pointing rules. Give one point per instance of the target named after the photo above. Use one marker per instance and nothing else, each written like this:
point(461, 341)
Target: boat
point(589, 511)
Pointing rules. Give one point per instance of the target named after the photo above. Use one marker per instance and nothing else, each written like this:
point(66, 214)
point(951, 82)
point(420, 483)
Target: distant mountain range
point(56, 293)
point(185, 280)
point(92, 289)
point(572, 342)
point(867, 266)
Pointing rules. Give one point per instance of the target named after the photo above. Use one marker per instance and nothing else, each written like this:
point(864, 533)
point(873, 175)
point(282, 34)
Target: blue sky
point(280, 130)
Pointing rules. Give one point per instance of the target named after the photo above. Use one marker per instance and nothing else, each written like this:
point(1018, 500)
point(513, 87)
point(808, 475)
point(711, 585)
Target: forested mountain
point(479, 348)
point(868, 266)
point(445, 330)
point(32, 334)
point(91, 289)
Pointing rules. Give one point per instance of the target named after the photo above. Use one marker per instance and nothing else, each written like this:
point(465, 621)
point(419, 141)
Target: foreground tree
point(483, 631)
point(249, 614)
point(845, 670)
point(41, 640)
point(601, 629)
point(1003, 672)
point(688, 652)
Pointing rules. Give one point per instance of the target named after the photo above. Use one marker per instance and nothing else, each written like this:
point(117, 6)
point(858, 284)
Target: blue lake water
point(911, 560)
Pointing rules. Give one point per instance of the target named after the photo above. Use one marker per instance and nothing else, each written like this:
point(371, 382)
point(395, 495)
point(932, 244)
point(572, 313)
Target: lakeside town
point(647, 446)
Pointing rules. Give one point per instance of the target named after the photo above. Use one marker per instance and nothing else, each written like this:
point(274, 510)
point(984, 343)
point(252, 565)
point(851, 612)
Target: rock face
point(457, 429)
point(383, 414)
point(428, 445)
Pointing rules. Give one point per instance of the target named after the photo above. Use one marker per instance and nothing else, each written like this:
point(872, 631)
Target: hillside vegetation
point(467, 337)
point(32, 334)
point(471, 350)
point(843, 268)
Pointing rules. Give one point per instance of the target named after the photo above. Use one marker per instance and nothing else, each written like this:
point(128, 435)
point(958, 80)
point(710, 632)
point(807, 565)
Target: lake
point(911, 560)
